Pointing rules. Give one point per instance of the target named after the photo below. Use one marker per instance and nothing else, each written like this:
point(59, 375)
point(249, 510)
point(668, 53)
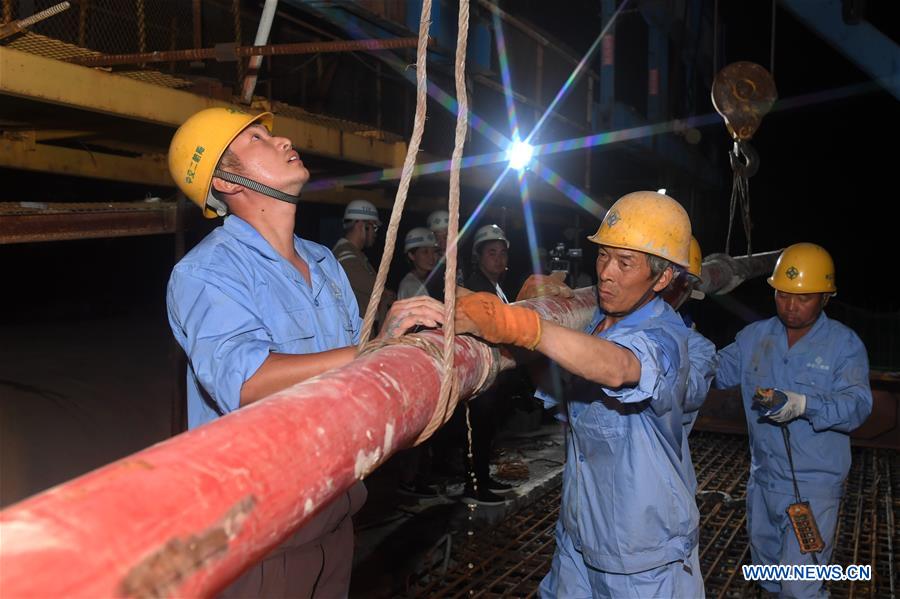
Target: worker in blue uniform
point(628, 523)
point(821, 369)
point(257, 309)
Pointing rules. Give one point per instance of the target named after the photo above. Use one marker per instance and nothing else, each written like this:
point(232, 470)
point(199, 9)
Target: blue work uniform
point(233, 301)
point(702, 357)
point(830, 367)
point(628, 522)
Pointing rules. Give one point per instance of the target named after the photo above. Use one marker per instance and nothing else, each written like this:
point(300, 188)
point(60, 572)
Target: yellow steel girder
point(52, 81)
point(25, 155)
point(21, 152)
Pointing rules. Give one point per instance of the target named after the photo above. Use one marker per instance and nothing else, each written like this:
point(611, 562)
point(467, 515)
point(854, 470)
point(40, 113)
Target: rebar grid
point(505, 560)
point(510, 559)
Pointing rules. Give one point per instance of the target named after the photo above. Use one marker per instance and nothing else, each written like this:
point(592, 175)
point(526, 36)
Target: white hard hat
point(439, 220)
point(488, 233)
point(361, 210)
point(420, 237)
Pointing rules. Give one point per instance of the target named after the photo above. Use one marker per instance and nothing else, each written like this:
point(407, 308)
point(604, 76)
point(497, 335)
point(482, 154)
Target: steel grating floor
point(509, 558)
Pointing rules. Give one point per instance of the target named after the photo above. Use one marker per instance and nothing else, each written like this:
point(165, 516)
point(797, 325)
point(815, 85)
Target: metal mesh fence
point(118, 26)
point(138, 26)
point(132, 26)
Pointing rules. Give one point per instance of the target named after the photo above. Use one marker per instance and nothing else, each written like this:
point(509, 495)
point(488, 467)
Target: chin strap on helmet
point(257, 187)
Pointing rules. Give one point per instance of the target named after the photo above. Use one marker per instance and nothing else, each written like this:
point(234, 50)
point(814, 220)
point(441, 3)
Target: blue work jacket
point(626, 499)
point(830, 366)
point(233, 300)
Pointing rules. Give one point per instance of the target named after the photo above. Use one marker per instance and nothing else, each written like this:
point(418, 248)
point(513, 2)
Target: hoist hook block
point(744, 159)
point(742, 93)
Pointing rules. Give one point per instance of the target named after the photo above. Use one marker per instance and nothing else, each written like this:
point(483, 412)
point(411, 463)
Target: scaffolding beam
point(49, 81)
point(27, 222)
point(26, 155)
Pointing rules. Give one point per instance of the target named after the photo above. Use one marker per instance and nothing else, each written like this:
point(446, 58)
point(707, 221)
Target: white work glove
point(793, 408)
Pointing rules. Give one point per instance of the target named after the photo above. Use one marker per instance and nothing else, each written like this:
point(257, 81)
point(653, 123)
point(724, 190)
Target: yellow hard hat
point(696, 257)
point(649, 222)
point(198, 146)
point(804, 268)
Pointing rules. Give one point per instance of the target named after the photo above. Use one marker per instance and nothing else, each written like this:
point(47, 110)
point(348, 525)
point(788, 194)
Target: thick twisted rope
point(449, 391)
point(405, 175)
point(449, 394)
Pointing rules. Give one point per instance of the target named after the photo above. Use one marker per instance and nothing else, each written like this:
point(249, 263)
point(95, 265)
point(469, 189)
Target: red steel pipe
point(187, 516)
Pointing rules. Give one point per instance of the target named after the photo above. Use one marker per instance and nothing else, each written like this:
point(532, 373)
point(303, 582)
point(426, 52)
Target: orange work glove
point(486, 316)
point(542, 285)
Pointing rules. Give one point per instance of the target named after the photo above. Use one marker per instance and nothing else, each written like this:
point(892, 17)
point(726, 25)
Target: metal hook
point(744, 159)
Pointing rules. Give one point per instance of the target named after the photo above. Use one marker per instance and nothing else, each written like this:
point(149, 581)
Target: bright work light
point(519, 154)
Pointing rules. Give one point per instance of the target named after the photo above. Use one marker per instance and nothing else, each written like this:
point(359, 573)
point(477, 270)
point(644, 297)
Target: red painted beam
point(187, 516)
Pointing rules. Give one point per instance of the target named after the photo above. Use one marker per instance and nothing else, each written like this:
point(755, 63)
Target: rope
point(430, 347)
point(740, 195)
point(449, 391)
point(446, 404)
point(744, 163)
point(405, 175)
point(449, 383)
